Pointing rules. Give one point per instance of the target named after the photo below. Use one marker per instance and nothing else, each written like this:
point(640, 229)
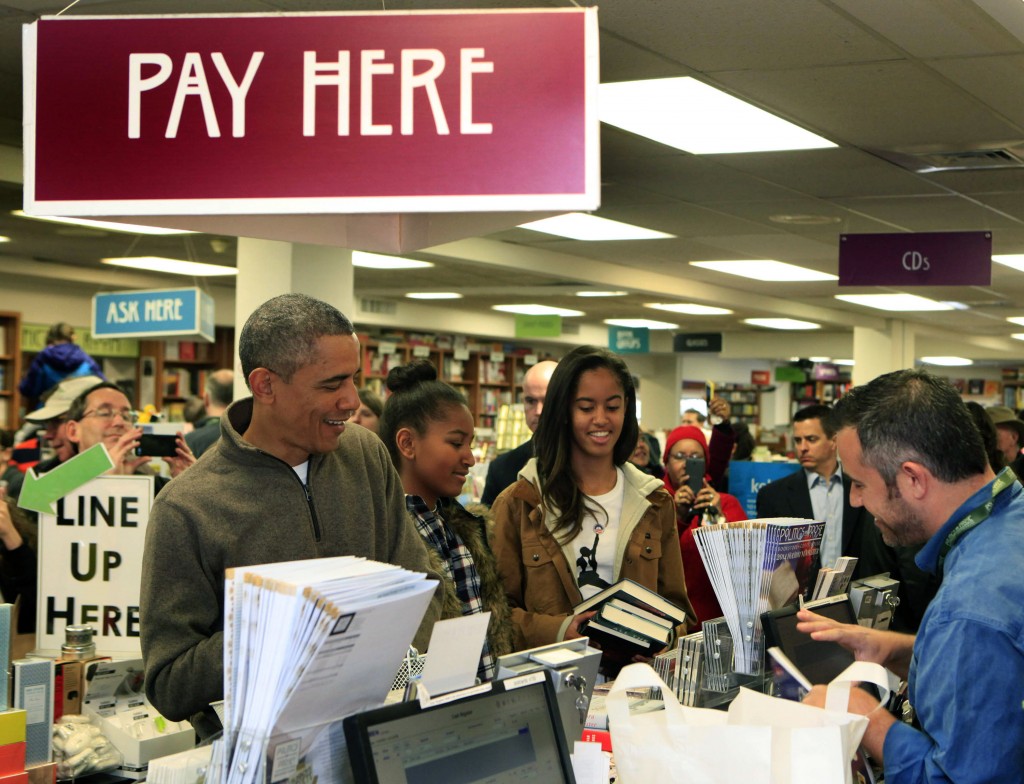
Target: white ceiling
point(879, 78)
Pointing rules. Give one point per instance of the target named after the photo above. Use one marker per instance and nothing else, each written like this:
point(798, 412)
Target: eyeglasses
point(129, 416)
point(684, 456)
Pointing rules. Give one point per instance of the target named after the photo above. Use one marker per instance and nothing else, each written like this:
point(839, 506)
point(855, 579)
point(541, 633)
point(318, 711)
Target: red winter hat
point(681, 432)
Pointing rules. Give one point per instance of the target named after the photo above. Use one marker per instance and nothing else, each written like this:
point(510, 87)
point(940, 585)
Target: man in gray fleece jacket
point(286, 481)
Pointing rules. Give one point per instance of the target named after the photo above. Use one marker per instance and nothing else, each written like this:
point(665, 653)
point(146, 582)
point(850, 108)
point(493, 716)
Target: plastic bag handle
point(837, 697)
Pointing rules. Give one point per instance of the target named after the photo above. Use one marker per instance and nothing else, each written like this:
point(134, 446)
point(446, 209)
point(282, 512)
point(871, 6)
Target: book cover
point(635, 594)
point(655, 631)
point(33, 692)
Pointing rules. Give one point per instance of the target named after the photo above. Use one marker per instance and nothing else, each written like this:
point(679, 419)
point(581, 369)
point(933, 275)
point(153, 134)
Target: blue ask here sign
point(157, 313)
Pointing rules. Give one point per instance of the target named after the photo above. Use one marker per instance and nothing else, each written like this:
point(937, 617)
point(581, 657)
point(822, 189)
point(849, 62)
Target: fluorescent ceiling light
point(692, 116)
point(845, 362)
point(4, 239)
point(537, 310)
point(1017, 320)
point(581, 226)
point(900, 303)
point(128, 228)
point(689, 308)
point(781, 323)
point(1017, 336)
point(764, 269)
point(820, 359)
point(946, 361)
point(1012, 260)
point(380, 262)
point(173, 266)
point(434, 295)
point(601, 293)
point(639, 323)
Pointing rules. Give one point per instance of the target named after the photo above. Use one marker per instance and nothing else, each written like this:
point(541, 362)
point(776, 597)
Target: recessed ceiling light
point(804, 220)
point(899, 303)
point(537, 310)
point(601, 293)
point(781, 323)
point(127, 228)
point(581, 226)
point(172, 266)
point(692, 116)
point(689, 308)
point(434, 295)
point(638, 323)
point(764, 269)
point(4, 239)
point(845, 362)
point(947, 361)
point(820, 359)
point(1013, 260)
point(380, 262)
point(1016, 320)
point(1017, 336)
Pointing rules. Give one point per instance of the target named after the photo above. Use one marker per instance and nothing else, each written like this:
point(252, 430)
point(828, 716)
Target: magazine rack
point(721, 682)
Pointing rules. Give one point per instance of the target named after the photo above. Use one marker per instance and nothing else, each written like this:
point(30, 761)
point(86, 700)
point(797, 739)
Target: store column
point(876, 352)
point(267, 268)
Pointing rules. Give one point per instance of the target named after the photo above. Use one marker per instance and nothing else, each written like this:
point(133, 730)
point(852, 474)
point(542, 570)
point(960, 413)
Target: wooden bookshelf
point(10, 370)
point(178, 369)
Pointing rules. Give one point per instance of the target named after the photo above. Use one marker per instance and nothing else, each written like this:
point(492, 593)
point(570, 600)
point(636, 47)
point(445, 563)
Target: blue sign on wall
point(747, 477)
point(159, 313)
point(629, 340)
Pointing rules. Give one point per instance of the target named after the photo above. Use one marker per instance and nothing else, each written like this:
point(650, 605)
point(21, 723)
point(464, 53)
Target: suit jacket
point(504, 471)
point(790, 497)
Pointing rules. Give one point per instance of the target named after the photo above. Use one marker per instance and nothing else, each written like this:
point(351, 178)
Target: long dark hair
point(553, 441)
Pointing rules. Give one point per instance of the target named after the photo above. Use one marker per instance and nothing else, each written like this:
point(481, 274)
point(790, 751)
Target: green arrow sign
point(39, 493)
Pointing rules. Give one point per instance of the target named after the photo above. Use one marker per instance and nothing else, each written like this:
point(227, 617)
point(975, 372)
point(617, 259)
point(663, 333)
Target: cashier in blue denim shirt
point(918, 464)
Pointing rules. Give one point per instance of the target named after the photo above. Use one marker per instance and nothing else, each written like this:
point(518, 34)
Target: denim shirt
point(967, 670)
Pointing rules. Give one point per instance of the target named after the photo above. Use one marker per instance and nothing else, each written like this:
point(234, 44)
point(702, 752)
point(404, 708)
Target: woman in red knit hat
point(707, 505)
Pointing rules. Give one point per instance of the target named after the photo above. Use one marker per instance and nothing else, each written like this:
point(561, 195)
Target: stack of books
point(755, 566)
point(631, 618)
point(833, 581)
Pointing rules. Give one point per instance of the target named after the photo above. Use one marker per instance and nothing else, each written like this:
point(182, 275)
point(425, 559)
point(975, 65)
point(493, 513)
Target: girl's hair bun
point(405, 377)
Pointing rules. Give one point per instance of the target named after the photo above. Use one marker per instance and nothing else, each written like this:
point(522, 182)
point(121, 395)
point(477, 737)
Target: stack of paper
point(755, 566)
point(307, 643)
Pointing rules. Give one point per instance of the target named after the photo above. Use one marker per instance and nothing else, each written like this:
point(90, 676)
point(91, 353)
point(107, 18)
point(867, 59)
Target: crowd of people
point(905, 476)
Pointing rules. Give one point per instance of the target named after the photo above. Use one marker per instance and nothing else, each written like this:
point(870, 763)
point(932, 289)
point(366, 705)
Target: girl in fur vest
point(428, 430)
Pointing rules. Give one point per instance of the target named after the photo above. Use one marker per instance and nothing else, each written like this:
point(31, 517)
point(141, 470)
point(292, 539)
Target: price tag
point(497, 356)
point(461, 354)
point(530, 359)
point(387, 348)
point(421, 351)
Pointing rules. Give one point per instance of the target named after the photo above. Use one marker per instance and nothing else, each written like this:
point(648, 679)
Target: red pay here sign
point(312, 113)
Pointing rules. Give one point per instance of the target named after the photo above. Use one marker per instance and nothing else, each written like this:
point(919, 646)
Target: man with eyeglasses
point(103, 414)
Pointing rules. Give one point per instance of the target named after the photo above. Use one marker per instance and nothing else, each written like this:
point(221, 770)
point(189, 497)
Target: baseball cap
point(62, 396)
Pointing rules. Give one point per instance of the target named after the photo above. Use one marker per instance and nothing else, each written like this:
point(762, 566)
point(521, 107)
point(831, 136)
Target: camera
point(159, 439)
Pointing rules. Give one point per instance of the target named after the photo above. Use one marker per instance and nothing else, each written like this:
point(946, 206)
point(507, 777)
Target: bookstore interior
point(481, 189)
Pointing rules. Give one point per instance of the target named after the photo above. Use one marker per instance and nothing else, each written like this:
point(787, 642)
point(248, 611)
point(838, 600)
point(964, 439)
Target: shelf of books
point(489, 375)
point(745, 402)
point(817, 392)
point(182, 366)
point(10, 369)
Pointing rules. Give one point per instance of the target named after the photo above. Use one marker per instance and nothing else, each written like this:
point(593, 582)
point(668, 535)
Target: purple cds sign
point(942, 258)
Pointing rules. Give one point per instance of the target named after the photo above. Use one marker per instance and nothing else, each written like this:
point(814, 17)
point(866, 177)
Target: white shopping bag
point(761, 740)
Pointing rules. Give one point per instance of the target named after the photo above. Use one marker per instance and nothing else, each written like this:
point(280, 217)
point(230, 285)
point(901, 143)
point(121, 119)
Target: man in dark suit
point(504, 469)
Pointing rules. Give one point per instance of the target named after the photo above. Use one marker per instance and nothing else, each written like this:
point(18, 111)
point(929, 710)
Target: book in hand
point(631, 618)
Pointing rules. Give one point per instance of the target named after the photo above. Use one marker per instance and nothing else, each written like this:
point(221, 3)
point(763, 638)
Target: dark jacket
point(205, 435)
point(55, 363)
point(504, 471)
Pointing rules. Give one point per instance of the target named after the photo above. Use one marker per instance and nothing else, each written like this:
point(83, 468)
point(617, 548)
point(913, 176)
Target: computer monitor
point(510, 733)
